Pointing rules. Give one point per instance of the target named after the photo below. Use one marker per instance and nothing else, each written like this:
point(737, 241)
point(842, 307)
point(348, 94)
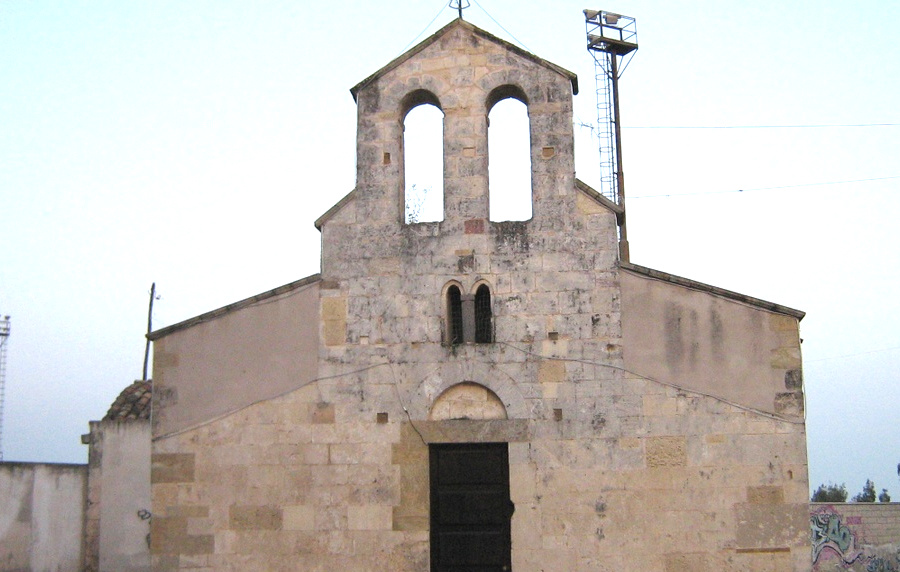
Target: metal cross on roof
point(460, 5)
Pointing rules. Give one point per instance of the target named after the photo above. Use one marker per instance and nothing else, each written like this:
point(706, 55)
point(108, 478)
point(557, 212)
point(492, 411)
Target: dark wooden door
point(470, 508)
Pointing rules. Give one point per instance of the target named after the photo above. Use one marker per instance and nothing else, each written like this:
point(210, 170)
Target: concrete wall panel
point(41, 516)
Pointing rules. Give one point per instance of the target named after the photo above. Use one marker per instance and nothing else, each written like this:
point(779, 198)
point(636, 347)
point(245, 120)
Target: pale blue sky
point(194, 144)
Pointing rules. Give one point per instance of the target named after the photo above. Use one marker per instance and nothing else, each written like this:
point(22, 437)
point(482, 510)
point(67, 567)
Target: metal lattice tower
point(4, 337)
point(611, 41)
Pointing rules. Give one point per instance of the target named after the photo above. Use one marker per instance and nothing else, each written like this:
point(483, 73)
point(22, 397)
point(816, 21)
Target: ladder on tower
point(4, 336)
point(605, 127)
point(611, 41)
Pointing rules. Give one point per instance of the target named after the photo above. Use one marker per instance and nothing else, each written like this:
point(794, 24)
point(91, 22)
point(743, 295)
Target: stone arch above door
point(467, 400)
point(466, 370)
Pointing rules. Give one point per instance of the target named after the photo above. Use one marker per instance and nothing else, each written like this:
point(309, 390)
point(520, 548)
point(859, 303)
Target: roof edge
point(224, 310)
point(478, 31)
point(334, 209)
point(694, 285)
point(600, 199)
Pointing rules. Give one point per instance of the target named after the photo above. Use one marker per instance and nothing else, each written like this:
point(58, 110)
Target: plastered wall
point(712, 344)
point(41, 516)
point(118, 512)
point(229, 359)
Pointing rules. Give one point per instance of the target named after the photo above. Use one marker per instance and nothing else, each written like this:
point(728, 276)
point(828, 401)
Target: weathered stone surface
point(611, 468)
point(172, 468)
point(666, 451)
point(254, 517)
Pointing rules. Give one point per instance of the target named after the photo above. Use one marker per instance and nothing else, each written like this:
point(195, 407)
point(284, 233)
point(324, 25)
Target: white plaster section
point(41, 522)
point(124, 528)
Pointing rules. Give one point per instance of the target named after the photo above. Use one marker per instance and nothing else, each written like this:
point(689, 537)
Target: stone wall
point(41, 516)
point(855, 536)
point(610, 468)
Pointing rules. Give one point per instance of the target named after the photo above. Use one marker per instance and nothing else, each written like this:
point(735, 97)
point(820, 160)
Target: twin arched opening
point(469, 317)
point(509, 156)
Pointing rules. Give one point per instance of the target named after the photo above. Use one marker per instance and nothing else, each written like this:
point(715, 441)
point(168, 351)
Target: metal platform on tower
point(610, 33)
point(611, 41)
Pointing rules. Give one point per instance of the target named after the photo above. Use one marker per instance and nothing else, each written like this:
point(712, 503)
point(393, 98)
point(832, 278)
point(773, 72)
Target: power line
point(767, 188)
point(853, 355)
point(811, 126)
point(518, 41)
point(419, 35)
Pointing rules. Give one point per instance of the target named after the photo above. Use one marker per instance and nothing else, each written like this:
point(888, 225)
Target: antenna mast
point(460, 5)
point(4, 336)
point(611, 41)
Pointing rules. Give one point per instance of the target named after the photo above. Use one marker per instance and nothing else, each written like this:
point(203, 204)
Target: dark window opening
point(483, 330)
point(454, 316)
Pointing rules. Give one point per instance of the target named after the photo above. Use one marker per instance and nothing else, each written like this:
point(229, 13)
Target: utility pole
point(149, 329)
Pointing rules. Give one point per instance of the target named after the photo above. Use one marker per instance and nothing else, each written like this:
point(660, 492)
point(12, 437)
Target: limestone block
point(685, 562)
point(521, 483)
point(659, 405)
point(789, 403)
point(769, 494)
point(785, 358)
point(172, 468)
point(666, 451)
point(558, 348)
point(771, 527)
point(254, 517)
point(551, 371)
point(371, 517)
point(357, 453)
point(169, 534)
point(321, 413)
point(334, 320)
point(299, 517)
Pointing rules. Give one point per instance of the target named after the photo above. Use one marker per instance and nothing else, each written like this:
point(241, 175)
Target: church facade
point(478, 395)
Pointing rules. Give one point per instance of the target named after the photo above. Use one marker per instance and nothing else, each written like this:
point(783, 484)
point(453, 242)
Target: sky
point(193, 144)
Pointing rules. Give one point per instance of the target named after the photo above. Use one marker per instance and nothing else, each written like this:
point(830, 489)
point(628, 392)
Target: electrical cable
point(675, 386)
point(403, 51)
point(518, 41)
point(811, 126)
point(258, 401)
point(405, 410)
point(852, 355)
point(765, 188)
point(749, 409)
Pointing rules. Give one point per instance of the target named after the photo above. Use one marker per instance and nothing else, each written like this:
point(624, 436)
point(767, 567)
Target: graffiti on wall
point(878, 564)
point(833, 539)
point(830, 534)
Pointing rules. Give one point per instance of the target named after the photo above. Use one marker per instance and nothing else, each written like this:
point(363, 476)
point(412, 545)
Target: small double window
point(469, 318)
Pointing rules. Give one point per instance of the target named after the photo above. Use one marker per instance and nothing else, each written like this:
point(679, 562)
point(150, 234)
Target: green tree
point(867, 494)
point(830, 493)
point(884, 496)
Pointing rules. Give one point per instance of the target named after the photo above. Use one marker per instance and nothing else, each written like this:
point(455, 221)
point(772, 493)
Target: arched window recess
point(423, 157)
point(454, 313)
point(484, 316)
point(509, 154)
